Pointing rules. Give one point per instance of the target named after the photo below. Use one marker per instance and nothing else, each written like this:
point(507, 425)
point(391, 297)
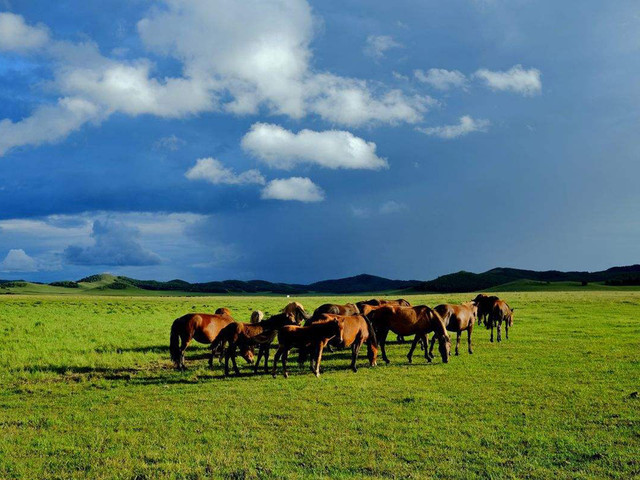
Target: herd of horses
point(336, 326)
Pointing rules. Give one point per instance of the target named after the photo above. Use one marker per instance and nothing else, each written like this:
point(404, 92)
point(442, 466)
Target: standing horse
point(202, 327)
point(356, 330)
point(246, 335)
point(335, 309)
point(418, 321)
point(501, 313)
point(457, 318)
point(314, 337)
point(366, 306)
point(485, 306)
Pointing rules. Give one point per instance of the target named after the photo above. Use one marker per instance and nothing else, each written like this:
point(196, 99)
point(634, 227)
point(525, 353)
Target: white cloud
point(265, 64)
point(281, 148)
point(441, 79)
point(377, 45)
point(171, 142)
point(516, 79)
point(467, 125)
point(392, 207)
point(213, 171)
point(295, 188)
point(48, 123)
point(17, 36)
point(18, 261)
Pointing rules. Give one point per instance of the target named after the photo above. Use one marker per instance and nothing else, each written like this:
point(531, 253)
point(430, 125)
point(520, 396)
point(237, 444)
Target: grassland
point(87, 391)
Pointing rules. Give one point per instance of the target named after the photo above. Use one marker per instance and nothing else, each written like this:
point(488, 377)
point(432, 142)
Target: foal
point(315, 336)
point(501, 312)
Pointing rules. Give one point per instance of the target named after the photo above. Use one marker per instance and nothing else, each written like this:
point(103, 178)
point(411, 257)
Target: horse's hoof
point(457, 353)
point(409, 359)
point(354, 369)
point(286, 375)
point(317, 374)
point(387, 362)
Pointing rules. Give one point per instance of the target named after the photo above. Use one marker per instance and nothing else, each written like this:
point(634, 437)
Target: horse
point(366, 306)
point(485, 306)
point(314, 337)
point(501, 312)
point(356, 330)
point(246, 335)
point(335, 309)
point(223, 311)
point(457, 318)
point(419, 321)
point(202, 327)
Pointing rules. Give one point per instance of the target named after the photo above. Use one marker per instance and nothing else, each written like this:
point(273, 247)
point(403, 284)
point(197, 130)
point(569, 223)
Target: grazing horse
point(485, 305)
point(501, 313)
point(375, 303)
point(246, 335)
point(314, 337)
point(418, 321)
point(223, 311)
point(457, 318)
point(202, 327)
point(356, 330)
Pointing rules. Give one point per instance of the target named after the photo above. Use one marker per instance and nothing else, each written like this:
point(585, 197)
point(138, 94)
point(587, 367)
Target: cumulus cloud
point(466, 126)
point(516, 79)
point(17, 36)
point(265, 64)
point(377, 45)
point(281, 148)
point(18, 261)
point(115, 244)
point(295, 188)
point(441, 79)
point(213, 171)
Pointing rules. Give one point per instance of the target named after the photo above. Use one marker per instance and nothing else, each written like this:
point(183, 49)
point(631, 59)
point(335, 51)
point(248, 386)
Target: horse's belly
point(205, 336)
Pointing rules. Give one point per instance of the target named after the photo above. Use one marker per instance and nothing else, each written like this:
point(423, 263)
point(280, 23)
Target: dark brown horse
point(457, 318)
point(356, 330)
point(313, 337)
point(418, 321)
point(485, 305)
point(501, 313)
point(201, 327)
point(335, 309)
point(246, 335)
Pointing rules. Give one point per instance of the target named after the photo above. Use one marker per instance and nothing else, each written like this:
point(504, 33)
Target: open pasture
point(88, 391)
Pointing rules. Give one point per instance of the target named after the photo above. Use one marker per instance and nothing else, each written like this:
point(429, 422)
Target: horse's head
point(296, 312)
point(510, 317)
point(444, 347)
point(223, 311)
point(335, 329)
point(257, 316)
point(247, 353)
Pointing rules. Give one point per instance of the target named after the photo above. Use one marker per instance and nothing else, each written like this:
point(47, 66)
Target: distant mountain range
point(495, 279)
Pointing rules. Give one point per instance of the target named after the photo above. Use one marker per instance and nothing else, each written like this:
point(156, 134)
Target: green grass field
point(88, 392)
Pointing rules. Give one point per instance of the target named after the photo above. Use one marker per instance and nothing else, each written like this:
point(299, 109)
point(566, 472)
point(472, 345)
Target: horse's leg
point(491, 322)
point(185, 343)
point(383, 341)
point(355, 350)
point(319, 359)
point(233, 359)
point(458, 341)
point(424, 339)
point(413, 347)
point(227, 355)
point(469, 330)
point(257, 364)
point(285, 355)
point(433, 342)
point(499, 330)
point(506, 330)
point(266, 358)
point(276, 357)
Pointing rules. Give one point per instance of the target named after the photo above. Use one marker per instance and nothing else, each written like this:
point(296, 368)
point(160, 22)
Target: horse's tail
point(174, 341)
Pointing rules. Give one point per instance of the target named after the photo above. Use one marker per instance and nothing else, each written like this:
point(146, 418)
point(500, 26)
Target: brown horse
point(335, 309)
point(314, 337)
point(457, 318)
point(202, 327)
point(246, 335)
point(418, 321)
point(501, 313)
point(356, 330)
point(366, 306)
point(485, 306)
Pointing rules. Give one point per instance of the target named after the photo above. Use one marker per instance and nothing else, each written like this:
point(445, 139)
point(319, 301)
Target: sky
point(298, 141)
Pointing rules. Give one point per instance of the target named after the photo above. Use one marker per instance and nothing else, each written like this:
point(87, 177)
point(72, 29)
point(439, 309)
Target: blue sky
point(298, 141)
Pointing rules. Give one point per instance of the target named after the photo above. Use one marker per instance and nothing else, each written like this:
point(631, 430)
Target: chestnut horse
point(501, 312)
point(485, 305)
point(418, 321)
point(457, 318)
point(367, 305)
point(314, 337)
point(356, 330)
point(335, 309)
point(246, 335)
point(202, 327)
